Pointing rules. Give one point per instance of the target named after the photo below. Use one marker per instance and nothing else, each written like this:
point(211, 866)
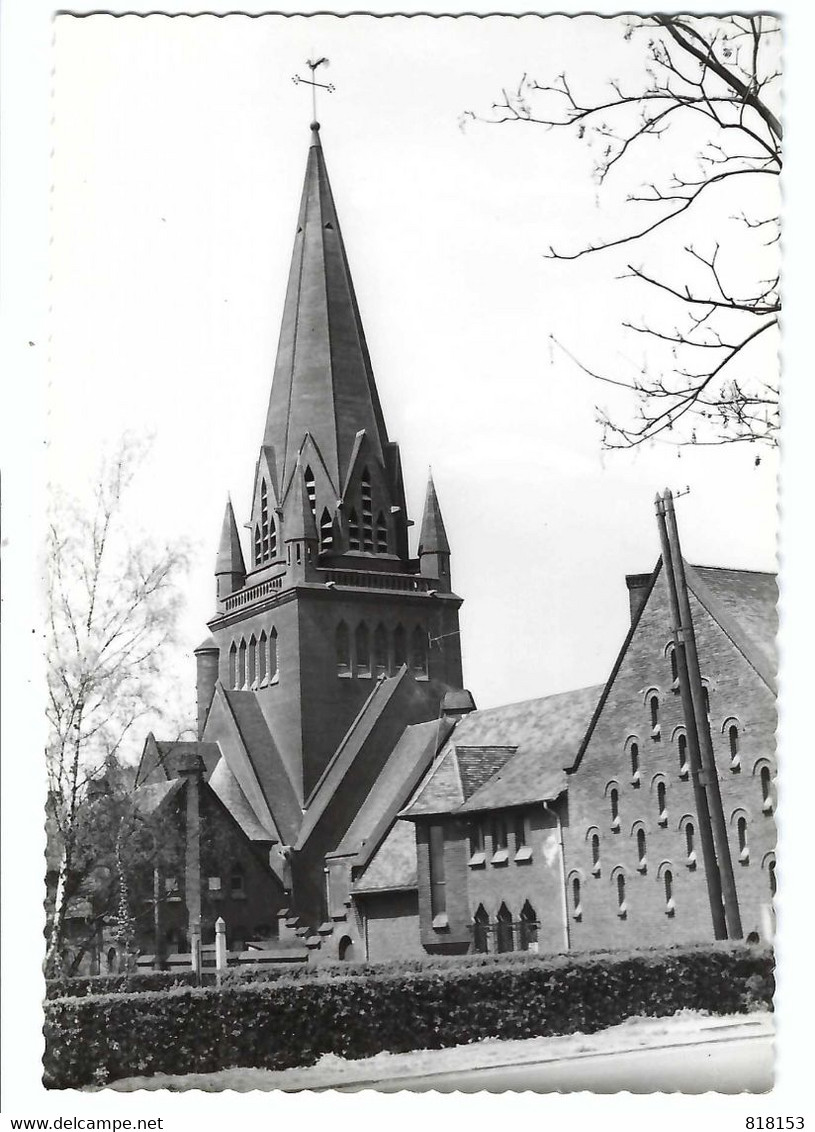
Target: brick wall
point(735, 692)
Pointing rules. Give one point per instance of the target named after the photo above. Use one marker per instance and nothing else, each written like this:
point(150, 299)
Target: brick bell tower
point(328, 600)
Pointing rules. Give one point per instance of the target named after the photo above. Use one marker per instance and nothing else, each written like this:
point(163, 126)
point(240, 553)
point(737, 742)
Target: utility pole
point(708, 776)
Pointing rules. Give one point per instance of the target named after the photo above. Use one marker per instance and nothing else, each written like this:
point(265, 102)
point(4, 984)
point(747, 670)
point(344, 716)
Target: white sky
point(179, 151)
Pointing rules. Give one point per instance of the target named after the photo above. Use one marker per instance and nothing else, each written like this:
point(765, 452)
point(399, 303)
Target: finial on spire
point(312, 65)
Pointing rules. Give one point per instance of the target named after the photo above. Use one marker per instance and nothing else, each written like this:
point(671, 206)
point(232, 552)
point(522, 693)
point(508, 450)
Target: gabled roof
point(344, 757)
point(266, 763)
point(323, 381)
point(226, 786)
point(506, 756)
point(743, 604)
point(406, 763)
point(161, 759)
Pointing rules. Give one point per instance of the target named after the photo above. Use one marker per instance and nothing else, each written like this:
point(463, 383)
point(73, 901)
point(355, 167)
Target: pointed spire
point(433, 537)
point(298, 518)
point(323, 381)
point(230, 555)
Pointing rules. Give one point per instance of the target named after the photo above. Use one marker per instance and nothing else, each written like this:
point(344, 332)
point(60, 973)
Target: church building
point(365, 809)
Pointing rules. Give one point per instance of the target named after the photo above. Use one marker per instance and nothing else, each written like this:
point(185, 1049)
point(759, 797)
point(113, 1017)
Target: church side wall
point(736, 692)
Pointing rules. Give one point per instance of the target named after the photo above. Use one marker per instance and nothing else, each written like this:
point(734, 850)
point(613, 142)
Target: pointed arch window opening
point(242, 664)
point(258, 545)
point(481, 921)
point(343, 647)
point(367, 512)
point(265, 543)
point(399, 647)
point(362, 643)
point(528, 928)
point(504, 929)
point(326, 531)
point(311, 491)
point(353, 530)
point(263, 659)
point(418, 652)
point(273, 657)
point(380, 651)
point(251, 672)
point(381, 534)
point(233, 665)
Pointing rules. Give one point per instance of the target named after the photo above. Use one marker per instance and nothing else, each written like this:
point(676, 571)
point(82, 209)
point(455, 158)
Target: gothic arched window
point(273, 655)
point(343, 645)
point(399, 646)
point(242, 665)
point(233, 665)
point(263, 658)
point(418, 651)
point(380, 651)
point(252, 661)
point(363, 650)
point(311, 491)
point(258, 545)
point(381, 534)
point(367, 512)
point(481, 922)
point(353, 530)
point(528, 927)
point(504, 929)
point(264, 520)
point(326, 530)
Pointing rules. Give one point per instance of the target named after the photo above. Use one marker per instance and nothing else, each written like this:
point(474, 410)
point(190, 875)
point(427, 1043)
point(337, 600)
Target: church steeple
point(323, 381)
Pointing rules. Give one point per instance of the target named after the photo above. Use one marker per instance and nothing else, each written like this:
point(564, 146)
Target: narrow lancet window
point(353, 530)
point(343, 641)
point(326, 531)
point(311, 491)
point(367, 512)
point(381, 534)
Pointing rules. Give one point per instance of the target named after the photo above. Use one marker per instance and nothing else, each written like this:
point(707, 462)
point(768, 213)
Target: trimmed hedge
point(79, 986)
point(289, 1023)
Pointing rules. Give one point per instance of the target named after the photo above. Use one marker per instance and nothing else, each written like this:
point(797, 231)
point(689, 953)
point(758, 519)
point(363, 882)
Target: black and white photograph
point(407, 571)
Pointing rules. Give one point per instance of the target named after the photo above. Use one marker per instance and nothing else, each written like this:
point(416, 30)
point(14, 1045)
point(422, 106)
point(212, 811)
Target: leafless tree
point(712, 83)
point(113, 604)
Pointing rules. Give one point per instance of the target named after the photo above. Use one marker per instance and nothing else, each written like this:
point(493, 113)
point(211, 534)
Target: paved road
point(738, 1064)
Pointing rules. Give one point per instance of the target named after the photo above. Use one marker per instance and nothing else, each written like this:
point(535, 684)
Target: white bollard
point(220, 949)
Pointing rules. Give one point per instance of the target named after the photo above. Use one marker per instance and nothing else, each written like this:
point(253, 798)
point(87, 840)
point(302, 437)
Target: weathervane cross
point(313, 64)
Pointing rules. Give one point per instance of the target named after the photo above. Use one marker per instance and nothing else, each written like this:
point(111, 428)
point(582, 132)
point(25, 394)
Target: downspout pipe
point(563, 885)
point(713, 880)
point(709, 771)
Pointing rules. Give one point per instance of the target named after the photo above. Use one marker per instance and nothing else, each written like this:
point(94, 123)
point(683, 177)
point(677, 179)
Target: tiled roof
point(394, 866)
point(226, 786)
point(477, 765)
point(266, 762)
point(546, 733)
point(406, 763)
point(148, 798)
point(744, 603)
